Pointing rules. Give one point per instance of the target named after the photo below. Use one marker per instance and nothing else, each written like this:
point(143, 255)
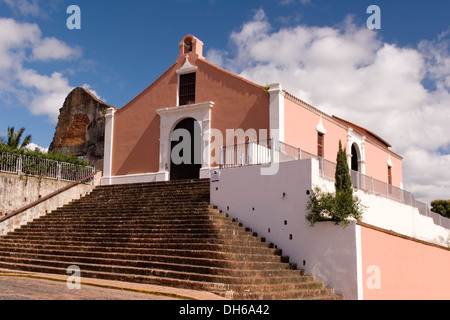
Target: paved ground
point(15, 285)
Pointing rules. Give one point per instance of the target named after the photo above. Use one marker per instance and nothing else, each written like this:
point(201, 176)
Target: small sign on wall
point(215, 176)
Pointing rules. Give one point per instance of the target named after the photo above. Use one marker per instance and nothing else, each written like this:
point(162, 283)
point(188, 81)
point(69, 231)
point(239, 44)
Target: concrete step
point(188, 272)
point(158, 233)
point(234, 246)
point(238, 269)
point(218, 252)
point(209, 258)
point(217, 287)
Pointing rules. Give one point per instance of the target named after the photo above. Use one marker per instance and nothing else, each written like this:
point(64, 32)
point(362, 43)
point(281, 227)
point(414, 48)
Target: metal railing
point(254, 153)
point(381, 188)
point(46, 168)
point(437, 218)
point(250, 153)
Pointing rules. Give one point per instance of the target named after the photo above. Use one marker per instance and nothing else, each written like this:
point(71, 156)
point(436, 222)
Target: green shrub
point(334, 207)
point(441, 207)
point(340, 206)
point(50, 156)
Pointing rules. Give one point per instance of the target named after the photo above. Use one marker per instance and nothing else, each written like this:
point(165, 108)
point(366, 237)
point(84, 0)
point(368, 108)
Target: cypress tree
point(345, 204)
point(342, 175)
point(324, 206)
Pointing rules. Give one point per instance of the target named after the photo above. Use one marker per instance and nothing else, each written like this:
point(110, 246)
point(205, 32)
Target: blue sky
point(123, 46)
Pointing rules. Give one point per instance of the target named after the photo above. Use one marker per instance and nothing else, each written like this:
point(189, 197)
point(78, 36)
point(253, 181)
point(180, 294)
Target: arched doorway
point(355, 158)
point(185, 151)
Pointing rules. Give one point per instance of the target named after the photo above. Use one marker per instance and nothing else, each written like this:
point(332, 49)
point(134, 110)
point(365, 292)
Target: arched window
point(188, 45)
point(320, 144)
point(186, 94)
point(355, 157)
point(186, 155)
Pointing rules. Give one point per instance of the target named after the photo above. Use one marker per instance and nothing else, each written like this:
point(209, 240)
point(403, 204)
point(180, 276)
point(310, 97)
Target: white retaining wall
point(274, 206)
point(17, 192)
point(278, 202)
point(395, 216)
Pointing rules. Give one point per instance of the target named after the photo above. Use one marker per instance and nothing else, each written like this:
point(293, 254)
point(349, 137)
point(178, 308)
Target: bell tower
point(191, 44)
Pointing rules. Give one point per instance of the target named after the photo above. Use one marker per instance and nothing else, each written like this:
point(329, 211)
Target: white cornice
point(186, 108)
point(313, 109)
point(389, 162)
point(187, 67)
point(320, 128)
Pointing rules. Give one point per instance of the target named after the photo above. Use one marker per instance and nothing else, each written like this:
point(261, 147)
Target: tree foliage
point(38, 154)
point(342, 181)
point(14, 138)
point(441, 207)
point(337, 207)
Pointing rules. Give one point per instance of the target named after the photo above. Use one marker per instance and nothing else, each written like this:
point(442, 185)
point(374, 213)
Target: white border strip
point(359, 270)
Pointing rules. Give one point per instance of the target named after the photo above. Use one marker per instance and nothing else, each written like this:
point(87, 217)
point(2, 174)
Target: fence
point(250, 153)
point(46, 168)
point(253, 153)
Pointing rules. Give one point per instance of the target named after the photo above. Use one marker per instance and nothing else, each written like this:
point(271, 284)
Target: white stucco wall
point(278, 202)
point(331, 253)
point(392, 215)
point(17, 192)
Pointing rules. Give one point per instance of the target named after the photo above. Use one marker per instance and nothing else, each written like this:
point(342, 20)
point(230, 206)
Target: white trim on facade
point(313, 109)
point(187, 67)
point(359, 270)
point(109, 137)
point(135, 178)
point(354, 137)
point(276, 112)
point(320, 128)
point(201, 112)
point(389, 162)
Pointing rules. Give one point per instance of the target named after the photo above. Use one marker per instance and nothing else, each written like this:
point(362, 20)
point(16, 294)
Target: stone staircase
point(162, 233)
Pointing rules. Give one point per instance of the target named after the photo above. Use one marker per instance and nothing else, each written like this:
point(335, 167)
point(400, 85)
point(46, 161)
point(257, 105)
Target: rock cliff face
point(81, 127)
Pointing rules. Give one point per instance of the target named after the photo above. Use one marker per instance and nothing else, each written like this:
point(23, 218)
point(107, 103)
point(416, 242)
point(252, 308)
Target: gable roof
point(344, 123)
point(230, 73)
point(364, 131)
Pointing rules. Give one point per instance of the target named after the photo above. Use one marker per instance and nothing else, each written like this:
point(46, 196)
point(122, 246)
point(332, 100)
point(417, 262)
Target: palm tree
point(13, 139)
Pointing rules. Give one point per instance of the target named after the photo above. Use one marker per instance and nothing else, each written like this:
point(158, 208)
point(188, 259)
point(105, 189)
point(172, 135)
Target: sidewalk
point(21, 285)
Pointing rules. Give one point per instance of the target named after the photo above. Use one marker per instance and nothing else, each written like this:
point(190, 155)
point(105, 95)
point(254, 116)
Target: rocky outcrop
point(81, 127)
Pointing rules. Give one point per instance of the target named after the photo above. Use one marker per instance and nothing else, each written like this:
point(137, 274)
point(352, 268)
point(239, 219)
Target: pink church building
point(228, 129)
point(196, 93)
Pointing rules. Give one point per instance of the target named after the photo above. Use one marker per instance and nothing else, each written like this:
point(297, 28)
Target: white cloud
point(22, 43)
point(94, 92)
point(54, 49)
point(349, 71)
point(14, 39)
point(25, 7)
point(287, 2)
point(46, 94)
point(43, 83)
point(215, 56)
point(33, 147)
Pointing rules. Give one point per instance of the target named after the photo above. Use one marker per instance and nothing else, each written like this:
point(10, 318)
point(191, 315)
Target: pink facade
point(301, 130)
point(138, 145)
point(238, 103)
point(399, 267)
point(141, 130)
point(303, 123)
point(379, 169)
